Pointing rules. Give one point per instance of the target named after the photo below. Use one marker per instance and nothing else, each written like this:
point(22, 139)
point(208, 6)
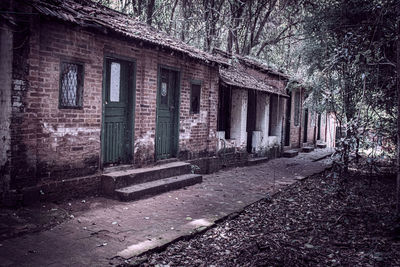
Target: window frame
point(197, 83)
point(80, 83)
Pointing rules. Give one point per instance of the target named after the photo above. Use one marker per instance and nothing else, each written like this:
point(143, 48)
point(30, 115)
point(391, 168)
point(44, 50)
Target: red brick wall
point(311, 129)
point(295, 131)
point(23, 126)
point(64, 143)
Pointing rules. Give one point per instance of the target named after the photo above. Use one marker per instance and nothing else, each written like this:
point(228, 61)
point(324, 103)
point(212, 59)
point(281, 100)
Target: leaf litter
point(307, 224)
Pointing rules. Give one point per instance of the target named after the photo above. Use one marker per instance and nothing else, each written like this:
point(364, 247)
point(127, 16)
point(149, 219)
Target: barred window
point(297, 109)
point(195, 98)
point(71, 85)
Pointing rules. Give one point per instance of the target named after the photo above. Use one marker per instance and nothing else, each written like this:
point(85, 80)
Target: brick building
point(252, 100)
point(84, 87)
point(304, 125)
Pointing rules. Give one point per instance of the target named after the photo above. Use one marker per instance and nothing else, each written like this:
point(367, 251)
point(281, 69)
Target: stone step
point(290, 153)
point(118, 179)
point(166, 161)
point(148, 189)
point(307, 149)
point(254, 161)
point(321, 145)
point(117, 168)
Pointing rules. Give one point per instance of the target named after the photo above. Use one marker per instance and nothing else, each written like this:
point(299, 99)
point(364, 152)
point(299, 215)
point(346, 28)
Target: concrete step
point(117, 168)
point(254, 161)
point(118, 179)
point(307, 149)
point(321, 145)
point(148, 189)
point(290, 153)
point(166, 161)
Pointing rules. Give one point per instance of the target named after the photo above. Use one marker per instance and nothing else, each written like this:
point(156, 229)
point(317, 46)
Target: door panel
point(167, 114)
point(118, 112)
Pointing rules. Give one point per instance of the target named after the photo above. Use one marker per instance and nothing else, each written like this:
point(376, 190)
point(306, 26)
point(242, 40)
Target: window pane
point(195, 99)
point(115, 81)
point(164, 93)
point(69, 85)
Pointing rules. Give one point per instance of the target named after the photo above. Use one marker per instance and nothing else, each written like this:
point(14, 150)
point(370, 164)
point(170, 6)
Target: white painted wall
point(260, 136)
point(239, 117)
point(277, 115)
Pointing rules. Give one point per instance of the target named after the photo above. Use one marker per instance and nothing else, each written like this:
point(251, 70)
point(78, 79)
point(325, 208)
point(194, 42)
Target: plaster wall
point(239, 117)
point(262, 122)
point(276, 115)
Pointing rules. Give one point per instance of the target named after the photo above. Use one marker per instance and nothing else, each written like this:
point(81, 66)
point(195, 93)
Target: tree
point(351, 54)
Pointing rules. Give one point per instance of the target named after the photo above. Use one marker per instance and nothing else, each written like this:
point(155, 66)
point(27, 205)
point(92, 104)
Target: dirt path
point(307, 224)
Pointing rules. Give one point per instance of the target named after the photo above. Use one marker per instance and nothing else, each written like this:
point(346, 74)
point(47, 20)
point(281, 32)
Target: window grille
point(71, 85)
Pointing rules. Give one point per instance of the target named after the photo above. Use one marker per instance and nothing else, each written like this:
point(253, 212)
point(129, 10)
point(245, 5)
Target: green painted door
point(118, 112)
point(167, 114)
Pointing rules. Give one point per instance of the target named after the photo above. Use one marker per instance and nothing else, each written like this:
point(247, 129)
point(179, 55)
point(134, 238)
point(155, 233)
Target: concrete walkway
point(111, 231)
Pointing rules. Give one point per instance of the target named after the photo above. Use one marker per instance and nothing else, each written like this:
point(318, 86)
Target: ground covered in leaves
point(40, 216)
point(313, 222)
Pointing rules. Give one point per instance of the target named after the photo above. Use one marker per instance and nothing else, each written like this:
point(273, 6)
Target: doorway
point(167, 114)
point(118, 118)
point(251, 118)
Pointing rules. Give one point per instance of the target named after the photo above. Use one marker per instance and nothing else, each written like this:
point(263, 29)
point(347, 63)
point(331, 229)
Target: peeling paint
point(63, 131)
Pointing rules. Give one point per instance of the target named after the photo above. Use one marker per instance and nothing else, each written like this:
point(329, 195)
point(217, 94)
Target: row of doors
point(119, 108)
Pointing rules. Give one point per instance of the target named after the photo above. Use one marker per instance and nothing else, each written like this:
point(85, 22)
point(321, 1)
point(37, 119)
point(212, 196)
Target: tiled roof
point(263, 67)
point(251, 63)
point(235, 77)
point(90, 14)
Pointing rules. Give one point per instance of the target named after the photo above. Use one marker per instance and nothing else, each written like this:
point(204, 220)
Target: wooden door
point(118, 112)
point(167, 114)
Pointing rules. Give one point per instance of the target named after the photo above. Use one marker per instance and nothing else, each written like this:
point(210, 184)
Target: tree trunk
point(150, 10)
point(171, 18)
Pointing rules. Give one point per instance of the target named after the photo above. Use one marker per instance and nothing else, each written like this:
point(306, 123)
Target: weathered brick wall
point(197, 135)
point(295, 131)
point(64, 143)
point(6, 54)
point(311, 127)
point(23, 127)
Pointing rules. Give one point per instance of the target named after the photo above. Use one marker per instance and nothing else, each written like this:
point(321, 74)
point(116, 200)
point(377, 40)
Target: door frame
point(178, 107)
point(132, 103)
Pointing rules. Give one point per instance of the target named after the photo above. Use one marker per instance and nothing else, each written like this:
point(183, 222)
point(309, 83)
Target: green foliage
point(350, 52)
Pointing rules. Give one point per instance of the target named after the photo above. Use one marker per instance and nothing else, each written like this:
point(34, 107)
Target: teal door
point(167, 114)
point(118, 112)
